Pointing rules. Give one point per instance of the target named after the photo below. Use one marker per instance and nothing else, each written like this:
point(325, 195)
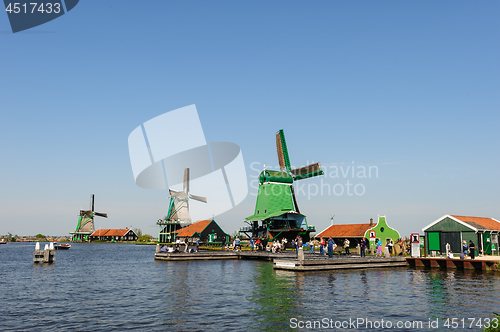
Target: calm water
point(104, 287)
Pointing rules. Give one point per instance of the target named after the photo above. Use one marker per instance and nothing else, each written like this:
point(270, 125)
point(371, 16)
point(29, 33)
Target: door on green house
point(487, 243)
point(212, 237)
point(453, 238)
point(494, 244)
point(434, 243)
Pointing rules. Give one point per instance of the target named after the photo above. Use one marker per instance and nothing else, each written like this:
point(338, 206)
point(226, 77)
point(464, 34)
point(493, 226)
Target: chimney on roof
point(371, 222)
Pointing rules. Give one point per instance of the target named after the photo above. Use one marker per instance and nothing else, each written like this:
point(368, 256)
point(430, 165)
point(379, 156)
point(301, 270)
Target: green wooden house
point(207, 231)
point(453, 229)
point(383, 231)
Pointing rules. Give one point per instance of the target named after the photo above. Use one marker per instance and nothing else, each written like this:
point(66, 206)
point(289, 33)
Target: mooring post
point(301, 254)
point(157, 248)
point(44, 256)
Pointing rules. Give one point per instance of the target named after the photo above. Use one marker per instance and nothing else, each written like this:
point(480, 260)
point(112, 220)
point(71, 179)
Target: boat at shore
point(3, 241)
point(61, 246)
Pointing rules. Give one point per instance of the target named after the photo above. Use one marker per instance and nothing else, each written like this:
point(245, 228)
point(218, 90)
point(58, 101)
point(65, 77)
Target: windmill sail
point(185, 184)
point(307, 171)
point(198, 198)
point(284, 161)
point(283, 158)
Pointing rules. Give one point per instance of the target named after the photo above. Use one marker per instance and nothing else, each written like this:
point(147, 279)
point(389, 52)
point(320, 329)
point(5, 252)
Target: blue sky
point(409, 87)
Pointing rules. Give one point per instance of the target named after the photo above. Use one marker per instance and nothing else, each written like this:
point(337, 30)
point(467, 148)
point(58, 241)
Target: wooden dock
point(196, 256)
point(289, 261)
point(214, 255)
point(460, 264)
point(323, 264)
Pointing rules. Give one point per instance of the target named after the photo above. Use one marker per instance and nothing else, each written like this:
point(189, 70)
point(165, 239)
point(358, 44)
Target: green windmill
point(277, 213)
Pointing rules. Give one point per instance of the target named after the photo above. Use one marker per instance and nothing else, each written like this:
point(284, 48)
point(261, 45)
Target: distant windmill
point(178, 210)
point(332, 217)
point(179, 205)
point(85, 225)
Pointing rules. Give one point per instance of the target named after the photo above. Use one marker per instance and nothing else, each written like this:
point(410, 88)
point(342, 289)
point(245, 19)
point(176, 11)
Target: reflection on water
point(275, 293)
point(103, 287)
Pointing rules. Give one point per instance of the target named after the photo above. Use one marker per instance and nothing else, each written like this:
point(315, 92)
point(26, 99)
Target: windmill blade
point(92, 202)
point(185, 186)
point(282, 150)
point(198, 198)
point(279, 149)
point(307, 171)
point(104, 215)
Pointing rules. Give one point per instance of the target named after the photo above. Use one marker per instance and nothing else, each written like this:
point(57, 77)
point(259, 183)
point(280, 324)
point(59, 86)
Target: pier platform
point(338, 263)
point(460, 264)
point(288, 260)
point(196, 256)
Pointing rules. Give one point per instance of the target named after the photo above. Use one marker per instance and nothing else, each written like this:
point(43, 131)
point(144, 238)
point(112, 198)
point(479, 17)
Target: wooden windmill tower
point(178, 211)
point(277, 213)
point(85, 225)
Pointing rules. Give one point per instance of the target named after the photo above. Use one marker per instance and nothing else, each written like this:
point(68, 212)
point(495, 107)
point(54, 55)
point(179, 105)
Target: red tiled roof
point(487, 223)
point(110, 232)
point(197, 227)
point(350, 230)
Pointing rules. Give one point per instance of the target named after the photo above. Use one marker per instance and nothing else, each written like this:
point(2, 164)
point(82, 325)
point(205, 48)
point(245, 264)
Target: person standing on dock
point(251, 244)
point(472, 249)
point(321, 246)
point(464, 248)
point(197, 244)
point(363, 246)
point(223, 243)
point(346, 246)
point(311, 246)
point(330, 247)
point(379, 247)
point(237, 246)
point(298, 243)
point(186, 242)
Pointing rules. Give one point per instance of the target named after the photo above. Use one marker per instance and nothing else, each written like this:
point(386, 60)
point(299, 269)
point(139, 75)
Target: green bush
point(494, 322)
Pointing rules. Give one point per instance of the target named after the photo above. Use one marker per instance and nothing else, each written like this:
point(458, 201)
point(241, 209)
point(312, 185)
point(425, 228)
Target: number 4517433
point(33, 7)
point(471, 323)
